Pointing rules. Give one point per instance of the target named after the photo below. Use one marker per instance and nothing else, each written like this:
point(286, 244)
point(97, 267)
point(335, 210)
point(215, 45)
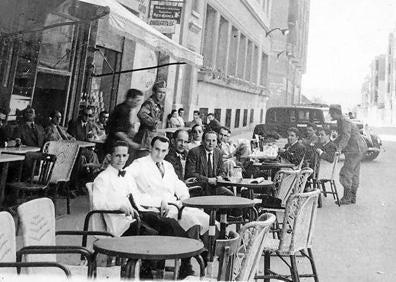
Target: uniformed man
point(351, 143)
point(150, 115)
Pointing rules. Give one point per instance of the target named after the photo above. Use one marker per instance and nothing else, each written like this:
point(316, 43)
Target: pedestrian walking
point(351, 143)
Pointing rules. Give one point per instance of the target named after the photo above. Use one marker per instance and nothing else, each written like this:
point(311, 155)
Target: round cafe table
point(214, 203)
point(135, 248)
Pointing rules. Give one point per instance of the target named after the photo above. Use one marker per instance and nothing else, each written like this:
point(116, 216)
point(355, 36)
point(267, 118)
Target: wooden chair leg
point(324, 191)
point(293, 269)
point(267, 265)
point(311, 259)
point(67, 197)
point(336, 192)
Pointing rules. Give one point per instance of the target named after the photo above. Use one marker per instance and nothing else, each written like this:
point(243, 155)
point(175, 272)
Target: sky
point(344, 37)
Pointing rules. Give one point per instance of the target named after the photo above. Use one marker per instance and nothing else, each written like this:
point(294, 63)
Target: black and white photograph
point(213, 140)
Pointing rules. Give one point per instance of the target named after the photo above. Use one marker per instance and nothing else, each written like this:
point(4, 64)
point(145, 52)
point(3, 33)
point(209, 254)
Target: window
point(217, 114)
point(196, 6)
point(251, 116)
point(255, 64)
point(241, 55)
point(237, 118)
point(204, 114)
point(228, 118)
point(264, 70)
point(249, 61)
point(261, 115)
point(245, 116)
point(222, 45)
point(208, 50)
point(232, 58)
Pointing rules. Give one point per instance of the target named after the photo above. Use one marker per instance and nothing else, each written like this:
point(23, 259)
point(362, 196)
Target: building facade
point(287, 62)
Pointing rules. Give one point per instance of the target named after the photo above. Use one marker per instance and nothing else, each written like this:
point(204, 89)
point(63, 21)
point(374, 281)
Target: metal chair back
point(97, 221)
point(66, 153)
point(253, 235)
point(41, 167)
point(299, 222)
point(7, 242)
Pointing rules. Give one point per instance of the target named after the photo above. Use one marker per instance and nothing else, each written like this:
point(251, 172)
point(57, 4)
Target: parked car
point(279, 119)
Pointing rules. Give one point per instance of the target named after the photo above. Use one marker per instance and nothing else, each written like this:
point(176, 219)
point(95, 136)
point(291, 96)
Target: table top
point(5, 158)
point(149, 247)
point(246, 182)
point(20, 150)
point(218, 202)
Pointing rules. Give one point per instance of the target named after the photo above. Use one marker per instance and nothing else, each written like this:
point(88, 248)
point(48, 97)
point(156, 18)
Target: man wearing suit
point(177, 152)
point(352, 144)
point(205, 163)
point(83, 128)
point(30, 133)
point(294, 151)
point(326, 149)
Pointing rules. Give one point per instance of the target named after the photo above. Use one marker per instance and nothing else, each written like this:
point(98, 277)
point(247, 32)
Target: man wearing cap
point(351, 143)
point(150, 115)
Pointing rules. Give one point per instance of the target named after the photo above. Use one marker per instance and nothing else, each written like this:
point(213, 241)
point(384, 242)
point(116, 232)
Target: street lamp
point(284, 31)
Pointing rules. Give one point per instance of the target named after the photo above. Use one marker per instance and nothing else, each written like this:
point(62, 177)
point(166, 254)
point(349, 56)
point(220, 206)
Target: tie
point(121, 173)
point(161, 169)
point(210, 166)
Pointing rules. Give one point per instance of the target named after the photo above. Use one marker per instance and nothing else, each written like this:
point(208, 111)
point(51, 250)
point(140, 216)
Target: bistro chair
point(66, 153)
point(327, 174)
point(39, 237)
point(295, 237)
point(194, 187)
point(38, 168)
point(8, 262)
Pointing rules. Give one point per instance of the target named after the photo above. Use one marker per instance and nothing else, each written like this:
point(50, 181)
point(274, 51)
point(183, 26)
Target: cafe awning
point(127, 24)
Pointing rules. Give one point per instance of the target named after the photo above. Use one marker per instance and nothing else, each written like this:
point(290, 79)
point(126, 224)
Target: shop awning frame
point(122, 21)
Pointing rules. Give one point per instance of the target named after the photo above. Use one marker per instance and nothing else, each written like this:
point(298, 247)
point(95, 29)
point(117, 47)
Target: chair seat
point(272, 245)
point(27, 186)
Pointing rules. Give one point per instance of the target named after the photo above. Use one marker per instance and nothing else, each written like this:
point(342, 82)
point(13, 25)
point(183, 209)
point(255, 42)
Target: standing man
point(351, 143)
point(124, 123)
point(177, 153)
point(205, 163)
point(150, 115)
point(213, 123)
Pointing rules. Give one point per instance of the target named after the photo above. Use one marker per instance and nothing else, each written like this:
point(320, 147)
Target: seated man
point(158, 184)
point(311, 138)
point(196, 140)
point(206, 164)
point(83, 128)
point(55, 132)
point(177, 152)
point(293, 152)
point(111, 189)
point(102, 125)
point(326, 149)
point(29, 132)
point(5, 132)
point(213, 123)
point(227, 149)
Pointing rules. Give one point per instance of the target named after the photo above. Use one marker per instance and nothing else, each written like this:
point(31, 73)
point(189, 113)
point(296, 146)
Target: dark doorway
point(50, 94)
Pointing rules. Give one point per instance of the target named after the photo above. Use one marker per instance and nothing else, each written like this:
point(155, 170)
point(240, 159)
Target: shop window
point(241, 56)
point(245, 117)
point(228, 118)
point(251, 116)
point(237, 118)
point(217, 114)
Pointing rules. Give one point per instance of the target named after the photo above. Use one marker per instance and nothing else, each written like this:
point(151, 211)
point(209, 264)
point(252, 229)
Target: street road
point(358, 242)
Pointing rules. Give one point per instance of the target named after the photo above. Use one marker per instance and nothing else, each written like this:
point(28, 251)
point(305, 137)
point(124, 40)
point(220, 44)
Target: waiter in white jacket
point(158, 184)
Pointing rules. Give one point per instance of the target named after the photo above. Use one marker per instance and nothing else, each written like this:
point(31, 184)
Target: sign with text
point(167, 12)
point(164, 26)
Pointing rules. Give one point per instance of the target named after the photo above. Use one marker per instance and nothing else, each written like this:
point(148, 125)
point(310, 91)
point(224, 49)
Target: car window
point(303, 116)
point(292, 115)
point(271, 116)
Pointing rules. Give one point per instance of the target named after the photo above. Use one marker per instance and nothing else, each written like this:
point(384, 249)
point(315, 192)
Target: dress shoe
point(346, 201)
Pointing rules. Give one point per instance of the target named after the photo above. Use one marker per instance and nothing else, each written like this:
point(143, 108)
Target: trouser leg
point(355, 177)
point(349, 177)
